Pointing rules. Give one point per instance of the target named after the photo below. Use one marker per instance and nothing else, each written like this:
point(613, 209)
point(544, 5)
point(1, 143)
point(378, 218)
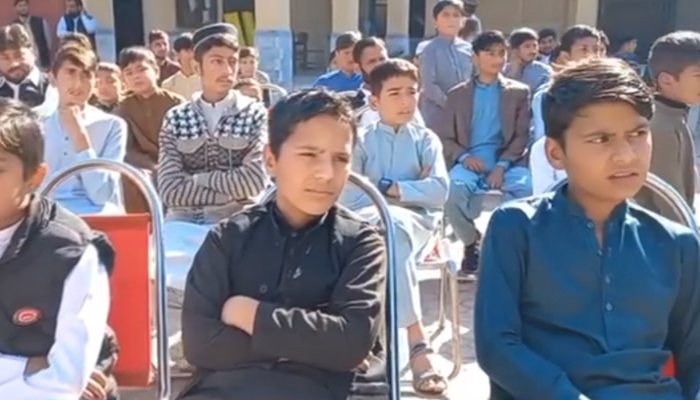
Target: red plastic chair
point(132, 298)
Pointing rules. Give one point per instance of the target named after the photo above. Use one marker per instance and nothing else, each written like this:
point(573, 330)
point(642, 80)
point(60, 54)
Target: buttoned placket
point(606, 264)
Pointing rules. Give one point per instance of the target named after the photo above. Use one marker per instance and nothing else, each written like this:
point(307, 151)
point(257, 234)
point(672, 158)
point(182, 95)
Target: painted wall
point(51, 10)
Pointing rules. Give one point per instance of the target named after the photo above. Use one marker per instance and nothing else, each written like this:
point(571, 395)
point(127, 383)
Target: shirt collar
point(562, 199)
point(232, 103)
point(34, 77)
point(670, 102)
point(389, 129)
point(283, 227)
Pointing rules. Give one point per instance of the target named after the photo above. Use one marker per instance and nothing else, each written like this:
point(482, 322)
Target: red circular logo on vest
point(26, 316)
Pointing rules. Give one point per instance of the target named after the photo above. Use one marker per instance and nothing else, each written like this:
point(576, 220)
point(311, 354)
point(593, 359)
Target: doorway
point(128, 24)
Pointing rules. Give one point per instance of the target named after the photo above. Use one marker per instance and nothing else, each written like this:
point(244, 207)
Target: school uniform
point(575, 317)
point(54, 298)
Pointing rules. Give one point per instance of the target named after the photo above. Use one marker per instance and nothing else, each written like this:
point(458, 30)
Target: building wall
point(51, 10)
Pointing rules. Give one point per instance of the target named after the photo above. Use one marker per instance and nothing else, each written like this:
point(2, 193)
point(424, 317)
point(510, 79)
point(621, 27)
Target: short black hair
point(302, 106)
point(75, 54)
point(592, 81)
point(554, 55)
point(364, 44)
point(218, 40)
point(673, 53)
point(21, 134)
point(14, 37)
point(183, 42)
point(74, 38)
point(520, 36)
point(487, 39)
point(390, 69)
point(604, 40)
point(347, 40)
point(443, 4)
point(575, 33)
point(157, 34)
point(135, 54)
point(547, 33)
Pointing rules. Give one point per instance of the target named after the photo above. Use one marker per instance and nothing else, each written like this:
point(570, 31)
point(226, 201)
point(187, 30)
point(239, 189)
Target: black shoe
point(470, 263)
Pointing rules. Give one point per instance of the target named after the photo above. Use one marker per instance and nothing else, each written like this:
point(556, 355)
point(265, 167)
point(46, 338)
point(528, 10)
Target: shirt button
point(590, 225)
point(607, 279)
point(609, 307)
point(263, 288)
point(600, 252)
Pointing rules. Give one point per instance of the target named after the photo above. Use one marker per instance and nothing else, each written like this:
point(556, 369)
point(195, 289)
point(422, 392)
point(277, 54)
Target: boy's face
point(75, 84)
point(219, 68)
point(16, 64)
point(491, 61)
point(371, 57)
point(583, 48)
point(630, 46)
point(397, 100)
point(606, 151)
point(449, 21)
point(140, 76)
point(685, 88)
point(527, 52)
point(312, 166)
point(108, 86)
point(72, 7)
point(547, 45)
point(248, 67)
point(343, 59)
point(160, 48)
point(16, 186)
point(22, 8)
point(185, 57)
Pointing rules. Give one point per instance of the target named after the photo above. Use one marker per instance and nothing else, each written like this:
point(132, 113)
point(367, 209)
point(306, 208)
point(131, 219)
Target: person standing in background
point(185, 82)
point(77, 20)
point(38, 31)
point(159, 43)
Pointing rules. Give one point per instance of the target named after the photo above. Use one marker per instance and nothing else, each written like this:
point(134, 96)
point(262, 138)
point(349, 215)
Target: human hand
point(70, 121)
point(474, 163)
point(240, 312)
point(35, 364)
point(495, 177)
point(96, 388)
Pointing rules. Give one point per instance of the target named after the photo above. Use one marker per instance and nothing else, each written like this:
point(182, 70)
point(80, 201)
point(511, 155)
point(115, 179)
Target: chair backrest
point(130, 285)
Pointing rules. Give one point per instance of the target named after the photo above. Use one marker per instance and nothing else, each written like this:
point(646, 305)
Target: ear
point(374, 102)
point(270, 161)
point(35, 180)
point(52, 79)
point(564, 57)
point(664, 79)
point(555, 153)
point(196, 67)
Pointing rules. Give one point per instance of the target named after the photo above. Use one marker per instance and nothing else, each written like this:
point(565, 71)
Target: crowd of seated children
point(210, 155)
point(54, 344)
point(159, 44)
point(404, 160)
point(77, 131)
point(368, 53)
point(143, 109)
point(484, 131)
point(445, 62)
point(20, 78)
point(522, 64)
point(109, 89)
point(284, 299)
point(674, 64)
point(345, 76)
point(185, 82)
point(584, 294)
point(578, 43)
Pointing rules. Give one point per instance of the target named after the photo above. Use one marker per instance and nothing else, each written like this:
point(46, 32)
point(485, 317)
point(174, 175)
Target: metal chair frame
point(269, 88)
point(164, 384)
point(392, 328)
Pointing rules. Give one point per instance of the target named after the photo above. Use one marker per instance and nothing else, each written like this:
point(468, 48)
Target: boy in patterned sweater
point(210, 158)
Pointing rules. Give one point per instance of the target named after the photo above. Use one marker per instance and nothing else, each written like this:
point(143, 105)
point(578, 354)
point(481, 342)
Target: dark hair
point(390, 69)
point(443, 4)
point(673, 53)
point(134, 54)
point(218, 40)
point(248, 51)
point(157, 34)
point(592, 81)
point(364, 44)
point(21, 134)
point(471, 26)
point(14, 37)
point(546, 33)
point(575, 33)
point(183, 42)
point(76, 39)
point(108, 67)
point(485, 40)
point(302, 106)
point(555, 54)
point(347, 40)
point(79, 56)
point(604, 40)
point(520, 36)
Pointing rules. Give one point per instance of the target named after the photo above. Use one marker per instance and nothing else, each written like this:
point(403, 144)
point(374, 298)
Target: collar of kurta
point(563, 200)
point(671, 103)
point(285, 229)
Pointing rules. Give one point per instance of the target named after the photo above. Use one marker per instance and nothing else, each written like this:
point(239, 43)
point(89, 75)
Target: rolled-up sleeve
point(339, 337)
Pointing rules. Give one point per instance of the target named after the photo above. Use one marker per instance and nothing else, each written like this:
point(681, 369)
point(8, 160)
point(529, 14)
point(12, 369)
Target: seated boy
point(53, 320)
point(210, 156)
point(523, 65)
point(143, 110)
point(674, 62)
point(404, 161)
point(283, 300)
point(185, 82)
point(78, 132)
point(592, 292)
point(250, 63)
point(484, 132)
point(249, 87)
point(108, 87)
point(345, 76)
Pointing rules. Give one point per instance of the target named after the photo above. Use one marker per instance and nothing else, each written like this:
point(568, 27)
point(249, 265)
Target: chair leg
point(456, 335)
point(444, 277)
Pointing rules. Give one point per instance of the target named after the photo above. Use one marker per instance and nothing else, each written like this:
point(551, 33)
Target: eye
point(343, 159)
point(308, 155)
point(600, 139)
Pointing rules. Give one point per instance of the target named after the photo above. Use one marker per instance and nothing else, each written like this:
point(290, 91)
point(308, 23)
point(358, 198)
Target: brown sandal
point(430, 374)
